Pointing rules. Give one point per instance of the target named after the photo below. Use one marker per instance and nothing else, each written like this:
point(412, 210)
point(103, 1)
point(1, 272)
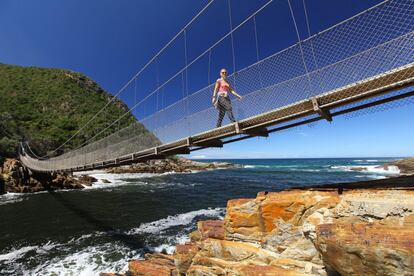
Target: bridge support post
point(237, 128)
point(322, 112)
point(189, 141)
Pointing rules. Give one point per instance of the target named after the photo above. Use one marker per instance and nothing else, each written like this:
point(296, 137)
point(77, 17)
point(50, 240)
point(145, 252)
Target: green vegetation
point(47, 106)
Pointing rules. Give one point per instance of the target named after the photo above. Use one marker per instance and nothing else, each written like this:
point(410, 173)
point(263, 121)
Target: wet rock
point(406, 166)
point(105, 181)
point(358, 169)
point(87, 178)
point(18, 179)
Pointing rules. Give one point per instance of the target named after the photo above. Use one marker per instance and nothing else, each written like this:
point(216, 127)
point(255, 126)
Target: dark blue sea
point(100, 228)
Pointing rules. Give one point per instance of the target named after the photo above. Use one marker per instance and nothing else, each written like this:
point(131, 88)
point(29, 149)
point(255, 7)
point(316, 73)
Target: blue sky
point(110, 41)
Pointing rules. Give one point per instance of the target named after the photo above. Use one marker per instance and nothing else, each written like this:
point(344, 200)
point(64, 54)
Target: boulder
point(153, 265)
point(183, 256)
point(406, 166)
point(87, 179)
point(367, 248)
point(211, 229)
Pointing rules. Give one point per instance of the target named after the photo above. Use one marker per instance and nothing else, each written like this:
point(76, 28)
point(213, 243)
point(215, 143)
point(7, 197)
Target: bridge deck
point(259, 125)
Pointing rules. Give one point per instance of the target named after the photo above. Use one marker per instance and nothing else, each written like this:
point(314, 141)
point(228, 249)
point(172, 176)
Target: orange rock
point(235, 251)
point(367, 249)
point(111, 274)
point(266, 270)
point(183, 256)
point(252, 219)
point(294, 206)
point(243, 220)
point(198, 270)
point(154, 265)
point(211, 229)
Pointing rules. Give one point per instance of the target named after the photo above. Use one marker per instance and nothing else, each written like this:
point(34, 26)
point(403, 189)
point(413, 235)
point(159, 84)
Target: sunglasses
point(224, 72)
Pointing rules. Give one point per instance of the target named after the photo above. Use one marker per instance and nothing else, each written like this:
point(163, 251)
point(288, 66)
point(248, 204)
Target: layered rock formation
point(330, 230)
point(177, 164)
point(18, 179)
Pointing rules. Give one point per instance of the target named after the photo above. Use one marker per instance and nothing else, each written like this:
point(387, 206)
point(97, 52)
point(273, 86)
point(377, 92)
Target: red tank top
point(224, 87)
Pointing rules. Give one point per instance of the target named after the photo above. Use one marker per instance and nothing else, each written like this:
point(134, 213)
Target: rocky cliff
point(365, 228)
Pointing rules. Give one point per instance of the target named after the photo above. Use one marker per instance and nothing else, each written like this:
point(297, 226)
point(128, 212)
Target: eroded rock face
point(303, 232)
point(367, 249)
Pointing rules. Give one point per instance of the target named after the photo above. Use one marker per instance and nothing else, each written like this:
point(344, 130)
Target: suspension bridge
point(363, 64)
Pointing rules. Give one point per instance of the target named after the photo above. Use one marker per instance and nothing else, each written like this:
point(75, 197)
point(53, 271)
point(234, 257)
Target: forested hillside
point(46, 106)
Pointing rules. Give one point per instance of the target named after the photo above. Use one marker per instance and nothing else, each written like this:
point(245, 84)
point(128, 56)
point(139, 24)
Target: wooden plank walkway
point(259, 125)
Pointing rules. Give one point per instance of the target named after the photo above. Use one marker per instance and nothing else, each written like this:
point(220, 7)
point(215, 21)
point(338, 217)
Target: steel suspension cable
point(257, 50)
point(300, 46)
point(182, 70)
point(232, 42)
point(134, 77)
point(309, 34)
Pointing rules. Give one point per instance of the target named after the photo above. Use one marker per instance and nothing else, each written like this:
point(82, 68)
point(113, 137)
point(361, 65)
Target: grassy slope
point(46, 106)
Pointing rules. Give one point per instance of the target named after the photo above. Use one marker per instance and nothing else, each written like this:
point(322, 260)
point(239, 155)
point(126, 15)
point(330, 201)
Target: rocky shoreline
point(176, 164)
point(362, 228)
point(406, 166)
point(15, 178)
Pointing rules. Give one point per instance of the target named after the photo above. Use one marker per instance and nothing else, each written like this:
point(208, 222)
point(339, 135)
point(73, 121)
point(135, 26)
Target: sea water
point(100, 228)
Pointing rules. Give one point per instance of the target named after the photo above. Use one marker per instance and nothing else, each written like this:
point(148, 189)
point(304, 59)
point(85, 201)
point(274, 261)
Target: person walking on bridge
point(221, 99)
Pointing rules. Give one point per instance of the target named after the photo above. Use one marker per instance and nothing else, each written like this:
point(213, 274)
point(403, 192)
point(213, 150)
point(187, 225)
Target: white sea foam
point(113, 256)
point(169, 248)
point(367, 160)
point(390, 170)
point(120, 179)
point(91, 260)
point(176, 220)
point(16, 253)
point(371, 176)
point(305, 170)
point(11, 198)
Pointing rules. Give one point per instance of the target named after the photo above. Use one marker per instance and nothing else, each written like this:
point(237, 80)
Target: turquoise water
point(101, 228)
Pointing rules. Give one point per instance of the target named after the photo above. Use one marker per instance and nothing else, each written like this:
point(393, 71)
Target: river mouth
point(85, 232)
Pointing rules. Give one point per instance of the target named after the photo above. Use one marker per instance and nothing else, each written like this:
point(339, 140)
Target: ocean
point(100, 228)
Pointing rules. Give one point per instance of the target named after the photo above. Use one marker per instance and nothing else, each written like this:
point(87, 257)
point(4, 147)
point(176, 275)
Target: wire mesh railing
point(370, 51)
